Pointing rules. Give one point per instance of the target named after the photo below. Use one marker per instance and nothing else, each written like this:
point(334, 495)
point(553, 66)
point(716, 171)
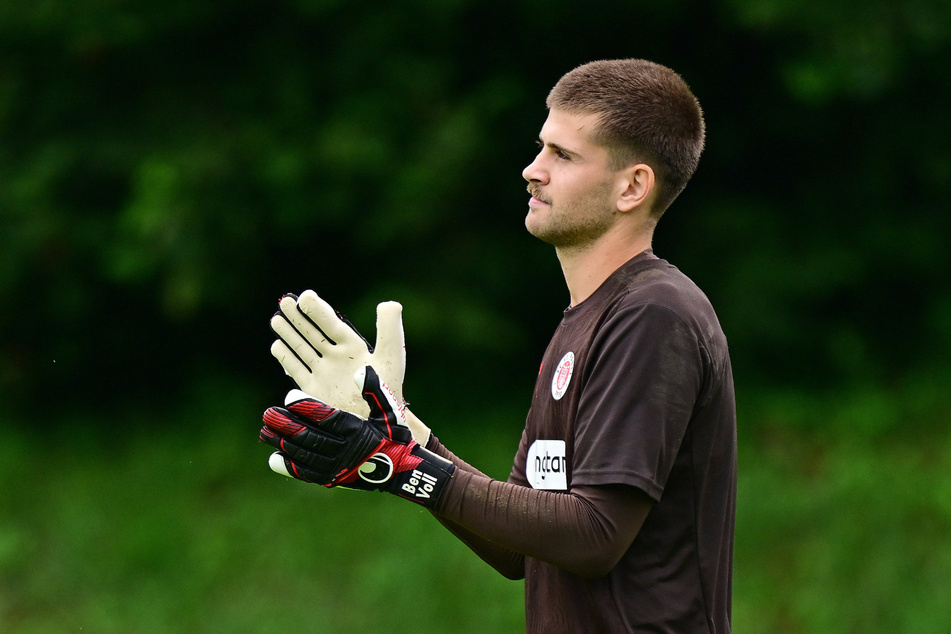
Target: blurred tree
point(168, 172)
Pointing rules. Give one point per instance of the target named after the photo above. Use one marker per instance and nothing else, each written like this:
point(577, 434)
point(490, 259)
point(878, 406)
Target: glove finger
point(290, 335)
point(320, 441)
point(312, 449)
point(386, 413)
point(389, 353)
point(280, 463)
point(278, 420)
point(324, 319)
point(302, 422)
point(307, 332)
point(330, 431)
point(293, 366)
point(310, 409)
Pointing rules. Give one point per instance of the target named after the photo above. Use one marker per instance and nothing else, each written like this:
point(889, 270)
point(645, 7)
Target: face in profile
point(571, 183)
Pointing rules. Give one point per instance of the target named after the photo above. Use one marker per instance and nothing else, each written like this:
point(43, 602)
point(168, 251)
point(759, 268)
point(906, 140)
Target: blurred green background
point(168, 170)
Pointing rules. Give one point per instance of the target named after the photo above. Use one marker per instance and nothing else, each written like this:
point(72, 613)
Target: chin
point(532, 226)
point(539, 233)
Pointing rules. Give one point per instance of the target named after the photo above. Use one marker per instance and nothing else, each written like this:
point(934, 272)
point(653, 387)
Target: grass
point(184, 529)
point(178, 526)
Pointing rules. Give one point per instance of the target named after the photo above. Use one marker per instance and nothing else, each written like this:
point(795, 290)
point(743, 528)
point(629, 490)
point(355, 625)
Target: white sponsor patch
point(545, 467)
point(562, 377)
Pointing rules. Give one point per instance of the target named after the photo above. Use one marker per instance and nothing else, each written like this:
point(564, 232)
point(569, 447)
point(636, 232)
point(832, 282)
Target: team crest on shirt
point(545, 466)
point(562, 376)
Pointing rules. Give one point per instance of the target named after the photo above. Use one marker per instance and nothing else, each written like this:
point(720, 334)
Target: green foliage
point(843, 513)
point(168, 170)
point(187, 165)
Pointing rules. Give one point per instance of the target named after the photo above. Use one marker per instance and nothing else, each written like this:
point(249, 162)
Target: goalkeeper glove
point(320, 350)
point(329, 446)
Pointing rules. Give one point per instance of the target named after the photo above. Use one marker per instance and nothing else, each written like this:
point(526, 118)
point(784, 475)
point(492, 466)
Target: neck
point(585, 268)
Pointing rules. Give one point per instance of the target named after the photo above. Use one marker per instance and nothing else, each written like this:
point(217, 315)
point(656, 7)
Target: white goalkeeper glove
point(321, 350)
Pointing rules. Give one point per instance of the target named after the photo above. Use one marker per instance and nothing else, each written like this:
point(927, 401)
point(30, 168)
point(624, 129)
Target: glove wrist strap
point(424, 483)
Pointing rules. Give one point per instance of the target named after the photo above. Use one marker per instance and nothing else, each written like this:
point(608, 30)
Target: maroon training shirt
point(636, 389)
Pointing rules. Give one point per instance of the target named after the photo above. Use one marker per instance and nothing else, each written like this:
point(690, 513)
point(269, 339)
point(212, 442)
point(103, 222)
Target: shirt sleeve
point(640, 388)
point(507, 562)
point(584, 532)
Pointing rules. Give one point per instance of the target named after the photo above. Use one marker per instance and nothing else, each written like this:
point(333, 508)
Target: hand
point(320, 350)
point(323, 444)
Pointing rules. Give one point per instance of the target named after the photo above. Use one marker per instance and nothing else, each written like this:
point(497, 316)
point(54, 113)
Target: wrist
point(422, 477)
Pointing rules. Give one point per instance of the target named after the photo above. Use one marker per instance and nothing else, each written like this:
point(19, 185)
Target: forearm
point(584, 532)
point(507, 562)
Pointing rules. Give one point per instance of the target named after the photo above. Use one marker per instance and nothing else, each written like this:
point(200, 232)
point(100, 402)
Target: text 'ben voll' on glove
point(325, 445)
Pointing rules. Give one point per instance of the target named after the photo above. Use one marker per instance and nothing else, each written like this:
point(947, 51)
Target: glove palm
point(320, 350)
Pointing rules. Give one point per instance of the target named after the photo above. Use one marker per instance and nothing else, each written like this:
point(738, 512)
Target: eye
point(558, 152)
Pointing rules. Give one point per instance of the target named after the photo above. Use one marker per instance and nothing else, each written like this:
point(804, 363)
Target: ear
point(637, 184)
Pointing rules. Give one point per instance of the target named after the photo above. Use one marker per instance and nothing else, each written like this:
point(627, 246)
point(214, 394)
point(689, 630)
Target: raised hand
point(320, 350)
point(319, 443)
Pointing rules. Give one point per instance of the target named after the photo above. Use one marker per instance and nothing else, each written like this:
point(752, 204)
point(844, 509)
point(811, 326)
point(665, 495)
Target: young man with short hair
point(619, 510)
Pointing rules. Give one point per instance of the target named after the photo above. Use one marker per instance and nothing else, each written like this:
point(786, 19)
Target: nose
point(534, 173)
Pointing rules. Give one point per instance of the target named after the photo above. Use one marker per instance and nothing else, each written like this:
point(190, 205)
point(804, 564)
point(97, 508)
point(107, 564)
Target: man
point(619, 510)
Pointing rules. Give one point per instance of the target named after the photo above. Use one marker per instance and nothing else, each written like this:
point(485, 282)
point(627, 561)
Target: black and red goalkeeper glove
point(322, 444)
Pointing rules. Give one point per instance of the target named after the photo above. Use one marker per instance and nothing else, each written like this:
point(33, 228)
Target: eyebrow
point(557, 148)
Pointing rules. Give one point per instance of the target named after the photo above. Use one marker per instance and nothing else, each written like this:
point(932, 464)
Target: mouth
point(536, 197)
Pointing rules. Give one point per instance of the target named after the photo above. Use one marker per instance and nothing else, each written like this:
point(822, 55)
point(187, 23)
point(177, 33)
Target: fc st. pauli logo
point(562, 376)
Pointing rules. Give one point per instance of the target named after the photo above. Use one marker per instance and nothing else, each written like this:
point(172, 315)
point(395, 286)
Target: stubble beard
point(573, 228)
